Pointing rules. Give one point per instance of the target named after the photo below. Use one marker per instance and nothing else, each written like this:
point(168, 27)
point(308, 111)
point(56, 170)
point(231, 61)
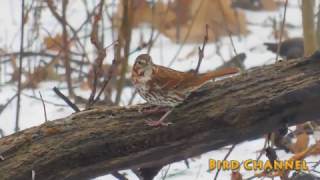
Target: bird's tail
point(220, 73)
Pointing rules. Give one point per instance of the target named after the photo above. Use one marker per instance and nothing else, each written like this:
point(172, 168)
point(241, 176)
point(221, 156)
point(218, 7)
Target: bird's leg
point(160, 121)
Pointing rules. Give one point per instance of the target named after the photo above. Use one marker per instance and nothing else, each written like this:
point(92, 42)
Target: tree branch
point(99, 141)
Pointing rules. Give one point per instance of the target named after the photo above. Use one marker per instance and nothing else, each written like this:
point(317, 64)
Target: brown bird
point(165, 87)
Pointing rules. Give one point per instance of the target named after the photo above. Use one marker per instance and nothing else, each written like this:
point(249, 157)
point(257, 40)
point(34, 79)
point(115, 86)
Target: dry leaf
point(302, 141)
point(54, 43)
point(166, 18)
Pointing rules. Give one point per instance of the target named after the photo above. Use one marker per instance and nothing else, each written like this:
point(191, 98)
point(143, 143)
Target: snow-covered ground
point(32, 110)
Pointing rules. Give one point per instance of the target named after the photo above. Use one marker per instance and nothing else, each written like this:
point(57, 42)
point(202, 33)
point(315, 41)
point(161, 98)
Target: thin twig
point(225, 158)
point(139, 48)
point(187, 34)
point(106, 79)
point(20, 66)
point(44, 108)
point(263, 149)
point(166, 172)
point(186, 162)
point(97, 67)
point(31, 53)
point(66, 99)
point(201, 49)
point(316, 165)
point(150, 42)
point(3, 107)
point(281, 30)
point(132, 97)
point(46, 101)
point(66, 47)
point(74, 31)
point(62, 20)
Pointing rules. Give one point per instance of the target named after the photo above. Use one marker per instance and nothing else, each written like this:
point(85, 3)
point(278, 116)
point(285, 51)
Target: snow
point(32, 110)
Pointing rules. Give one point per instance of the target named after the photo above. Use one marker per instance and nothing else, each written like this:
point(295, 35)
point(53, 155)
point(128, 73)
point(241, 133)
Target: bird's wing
point(196, 81)
point(168, 79)
point(182, 83)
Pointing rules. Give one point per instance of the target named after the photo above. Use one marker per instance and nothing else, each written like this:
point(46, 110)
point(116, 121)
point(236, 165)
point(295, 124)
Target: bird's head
point(143, 64)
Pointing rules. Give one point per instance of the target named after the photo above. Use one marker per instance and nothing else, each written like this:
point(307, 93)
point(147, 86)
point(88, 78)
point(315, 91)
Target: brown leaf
point(53, 43)
point(301, 143)
point(312, 150)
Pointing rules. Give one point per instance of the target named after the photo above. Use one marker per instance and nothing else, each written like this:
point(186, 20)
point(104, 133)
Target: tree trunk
point(103, 140)
point(125, 38)
point(309, 34)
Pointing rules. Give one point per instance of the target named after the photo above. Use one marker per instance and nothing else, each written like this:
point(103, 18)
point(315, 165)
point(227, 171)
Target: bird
point(289, 49)
point(165, 87)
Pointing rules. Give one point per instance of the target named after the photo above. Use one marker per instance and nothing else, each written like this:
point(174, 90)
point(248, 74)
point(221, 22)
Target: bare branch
point(225, 158)
point(3, 107)
point(66, 99)
point(44, 108)
point(97, 67)
point(201, 50)
point(107, 79)
point(47, 102)
point(20, 67)
point(282, 29)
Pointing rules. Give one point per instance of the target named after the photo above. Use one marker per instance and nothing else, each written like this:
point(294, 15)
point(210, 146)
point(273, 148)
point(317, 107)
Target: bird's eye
point(140, 62)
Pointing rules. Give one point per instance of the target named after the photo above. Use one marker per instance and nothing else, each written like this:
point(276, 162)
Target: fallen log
point(106, 139)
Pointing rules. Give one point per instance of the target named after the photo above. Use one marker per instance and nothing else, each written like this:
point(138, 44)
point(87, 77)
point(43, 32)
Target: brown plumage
point(163, 86)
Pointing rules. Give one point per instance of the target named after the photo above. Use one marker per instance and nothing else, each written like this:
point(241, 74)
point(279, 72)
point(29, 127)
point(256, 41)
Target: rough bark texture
point(99, 141)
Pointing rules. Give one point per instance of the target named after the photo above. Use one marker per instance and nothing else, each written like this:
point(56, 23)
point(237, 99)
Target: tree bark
point(106, 139)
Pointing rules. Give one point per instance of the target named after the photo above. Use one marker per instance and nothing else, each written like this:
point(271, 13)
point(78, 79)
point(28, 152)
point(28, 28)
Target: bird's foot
point(160, 122)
